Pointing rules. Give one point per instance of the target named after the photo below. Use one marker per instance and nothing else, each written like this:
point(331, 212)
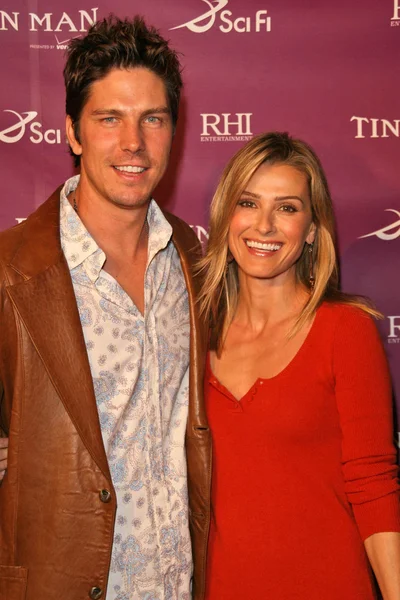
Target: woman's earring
point(229, 260)
point(311, 278)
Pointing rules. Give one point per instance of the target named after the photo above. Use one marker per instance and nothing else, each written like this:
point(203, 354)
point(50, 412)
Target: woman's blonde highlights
point(219, 293)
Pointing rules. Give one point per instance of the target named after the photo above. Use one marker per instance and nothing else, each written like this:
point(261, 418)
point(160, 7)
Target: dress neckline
point(262, 380)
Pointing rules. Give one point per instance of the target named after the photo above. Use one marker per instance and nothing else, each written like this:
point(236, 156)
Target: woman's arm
point(369, 457)
point(383, 551)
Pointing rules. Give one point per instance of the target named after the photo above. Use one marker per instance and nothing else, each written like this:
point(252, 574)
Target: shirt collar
point(80, 247)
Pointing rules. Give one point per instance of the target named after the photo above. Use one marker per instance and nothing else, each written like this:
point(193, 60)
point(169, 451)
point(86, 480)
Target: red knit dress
point(304, 469)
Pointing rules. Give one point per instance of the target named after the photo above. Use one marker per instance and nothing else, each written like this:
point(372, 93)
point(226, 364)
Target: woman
point(305, 493)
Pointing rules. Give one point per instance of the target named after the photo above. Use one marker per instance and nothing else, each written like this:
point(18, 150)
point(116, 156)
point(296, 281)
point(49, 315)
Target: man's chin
point(131, 202)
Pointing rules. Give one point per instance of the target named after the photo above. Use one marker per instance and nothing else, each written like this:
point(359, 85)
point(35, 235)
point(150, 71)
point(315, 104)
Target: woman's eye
point(288, 208)
point(246, 203)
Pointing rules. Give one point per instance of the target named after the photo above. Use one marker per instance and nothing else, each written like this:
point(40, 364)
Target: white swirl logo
point(383, 234)
point(210, 15)
point(19, 127)
point(37, 134)
point(257, 22)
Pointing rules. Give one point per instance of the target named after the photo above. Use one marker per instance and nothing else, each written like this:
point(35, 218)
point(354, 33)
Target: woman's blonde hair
point(219, 292)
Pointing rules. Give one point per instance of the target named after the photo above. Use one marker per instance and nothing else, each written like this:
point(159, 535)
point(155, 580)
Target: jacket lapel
point(46, 304)
point(189, 251)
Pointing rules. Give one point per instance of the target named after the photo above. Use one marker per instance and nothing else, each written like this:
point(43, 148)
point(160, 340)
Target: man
point(101, 351)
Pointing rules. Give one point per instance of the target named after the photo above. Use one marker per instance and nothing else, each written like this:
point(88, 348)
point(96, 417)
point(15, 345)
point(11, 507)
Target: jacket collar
point(40, 246)
point(189, 251)
point(45, 301)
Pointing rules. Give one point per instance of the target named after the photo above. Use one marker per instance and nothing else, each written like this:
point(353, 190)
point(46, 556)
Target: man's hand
point(3, 456)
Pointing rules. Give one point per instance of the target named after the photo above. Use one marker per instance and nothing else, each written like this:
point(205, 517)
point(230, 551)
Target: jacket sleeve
point(8, 333)
point(364, 401)
point(3, 427)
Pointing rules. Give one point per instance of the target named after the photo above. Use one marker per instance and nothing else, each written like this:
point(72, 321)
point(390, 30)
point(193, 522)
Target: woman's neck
point(265, 302)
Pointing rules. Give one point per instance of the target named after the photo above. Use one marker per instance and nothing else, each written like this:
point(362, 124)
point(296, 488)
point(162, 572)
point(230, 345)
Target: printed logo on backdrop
point(393, 329)
point(389, 232)
point(226, 21)
point(201, 233)
point(395, 20)
point(226, 127)
point(24, 125)
point(375, 128)
point(62, 26)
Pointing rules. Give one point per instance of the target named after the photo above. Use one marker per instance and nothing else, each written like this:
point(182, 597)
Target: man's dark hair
point(122, 44)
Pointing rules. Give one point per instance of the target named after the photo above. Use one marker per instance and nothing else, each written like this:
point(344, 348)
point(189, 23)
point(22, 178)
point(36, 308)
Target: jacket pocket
point(13, 581)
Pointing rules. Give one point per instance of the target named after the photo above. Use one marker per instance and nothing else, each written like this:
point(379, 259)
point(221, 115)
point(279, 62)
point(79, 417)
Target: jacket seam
point(18, 441)
point(109, 479)
point(207, 527)
point(22, 408)
point(1, 362)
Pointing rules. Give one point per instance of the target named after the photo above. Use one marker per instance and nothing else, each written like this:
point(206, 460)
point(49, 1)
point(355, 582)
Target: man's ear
point(71, 136)
point(311, 234)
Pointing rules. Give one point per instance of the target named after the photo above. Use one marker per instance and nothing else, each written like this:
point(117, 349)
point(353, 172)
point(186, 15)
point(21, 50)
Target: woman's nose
point(266, 222)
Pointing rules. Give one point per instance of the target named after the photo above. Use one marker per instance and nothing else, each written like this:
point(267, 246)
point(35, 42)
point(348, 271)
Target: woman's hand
point(383, 551)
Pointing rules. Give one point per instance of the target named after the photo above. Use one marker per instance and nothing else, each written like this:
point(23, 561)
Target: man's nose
point(132, 137)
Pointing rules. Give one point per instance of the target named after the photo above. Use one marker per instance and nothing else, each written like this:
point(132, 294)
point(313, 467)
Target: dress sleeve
point(364, 401)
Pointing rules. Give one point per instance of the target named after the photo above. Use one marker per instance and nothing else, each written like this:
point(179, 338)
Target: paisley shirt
point(139, 364)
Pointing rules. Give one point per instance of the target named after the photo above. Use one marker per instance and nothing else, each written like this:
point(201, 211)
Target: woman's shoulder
point(338, 311)
point(348, 322)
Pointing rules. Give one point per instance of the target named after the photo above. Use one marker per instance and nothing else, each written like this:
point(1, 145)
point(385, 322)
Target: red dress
point(304, 470)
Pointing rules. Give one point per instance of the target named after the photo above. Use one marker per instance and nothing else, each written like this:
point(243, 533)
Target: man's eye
point(153, 120)
point(109, 120)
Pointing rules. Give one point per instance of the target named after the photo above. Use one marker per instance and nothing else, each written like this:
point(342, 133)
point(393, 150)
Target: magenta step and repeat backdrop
point(323, 70)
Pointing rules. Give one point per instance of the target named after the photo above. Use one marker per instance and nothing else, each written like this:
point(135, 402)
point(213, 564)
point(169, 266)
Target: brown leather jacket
point(57, 502)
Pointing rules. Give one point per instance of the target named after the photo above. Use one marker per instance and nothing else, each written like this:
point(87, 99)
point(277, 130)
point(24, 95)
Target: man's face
point(125, 138)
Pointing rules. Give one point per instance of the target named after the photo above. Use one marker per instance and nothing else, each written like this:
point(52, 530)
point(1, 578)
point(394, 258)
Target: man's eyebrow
point(108, 111)
point(114, 112)
point(157, 111)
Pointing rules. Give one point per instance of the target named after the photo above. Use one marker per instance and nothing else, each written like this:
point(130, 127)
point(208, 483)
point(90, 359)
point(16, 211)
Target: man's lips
point(136, 169)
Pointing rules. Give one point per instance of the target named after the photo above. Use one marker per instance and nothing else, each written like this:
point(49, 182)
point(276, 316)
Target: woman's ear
point(311, 234)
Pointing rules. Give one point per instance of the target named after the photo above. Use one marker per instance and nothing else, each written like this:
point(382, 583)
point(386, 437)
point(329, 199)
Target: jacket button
point(105, 496)
point(95, 593)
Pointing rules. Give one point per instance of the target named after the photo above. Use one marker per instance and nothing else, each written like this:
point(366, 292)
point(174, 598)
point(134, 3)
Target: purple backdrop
point(324, 71)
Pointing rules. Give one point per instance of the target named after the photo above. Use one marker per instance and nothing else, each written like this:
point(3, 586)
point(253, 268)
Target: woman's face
point(271, 223)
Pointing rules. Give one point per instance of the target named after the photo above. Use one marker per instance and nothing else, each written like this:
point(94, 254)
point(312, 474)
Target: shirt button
point(95, 593)
point(105, 496)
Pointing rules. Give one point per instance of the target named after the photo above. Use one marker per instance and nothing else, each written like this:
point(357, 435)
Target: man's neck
point(121, 233)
